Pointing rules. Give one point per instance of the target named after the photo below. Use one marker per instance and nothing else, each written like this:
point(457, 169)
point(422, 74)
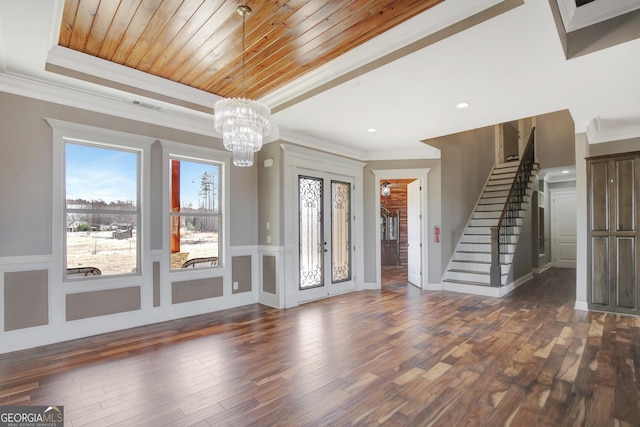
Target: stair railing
point(510, 211)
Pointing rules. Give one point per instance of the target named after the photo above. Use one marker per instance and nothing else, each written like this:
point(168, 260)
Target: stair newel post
point(495, 272)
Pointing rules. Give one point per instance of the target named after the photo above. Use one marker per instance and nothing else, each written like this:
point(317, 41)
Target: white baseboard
point(487, 291)
point(581, 305)
point(271, 300)
point(370, 286)
point(541, 270)
point(504, 290)
point(48, 334)
point(433, 287)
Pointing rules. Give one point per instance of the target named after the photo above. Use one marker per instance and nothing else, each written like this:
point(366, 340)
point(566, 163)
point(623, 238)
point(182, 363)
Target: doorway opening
point(393, 231)
point(415, 211)
point(563, 228)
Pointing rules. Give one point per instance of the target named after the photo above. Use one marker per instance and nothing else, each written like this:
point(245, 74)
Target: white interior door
point(414, 232)
point(563, 229)
point(325, 235)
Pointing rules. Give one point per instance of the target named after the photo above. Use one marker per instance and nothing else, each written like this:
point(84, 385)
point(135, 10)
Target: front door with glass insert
point(325, 235)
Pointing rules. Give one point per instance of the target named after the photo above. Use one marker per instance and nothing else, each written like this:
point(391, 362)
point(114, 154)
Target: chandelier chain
point(244, 95)
point(242, 122)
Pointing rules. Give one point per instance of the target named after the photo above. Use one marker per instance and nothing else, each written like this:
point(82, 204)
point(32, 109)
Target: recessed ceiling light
point(372, 130)
point(462, 105)
point(565, 171)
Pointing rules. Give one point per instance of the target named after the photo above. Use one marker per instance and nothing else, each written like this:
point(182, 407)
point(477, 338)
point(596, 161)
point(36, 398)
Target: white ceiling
point(508, 67)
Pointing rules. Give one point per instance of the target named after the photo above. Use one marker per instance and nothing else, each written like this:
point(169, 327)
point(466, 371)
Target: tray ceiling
point(199, 42)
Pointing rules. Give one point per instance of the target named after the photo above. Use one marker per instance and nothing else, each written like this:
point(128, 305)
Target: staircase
point(471, 262)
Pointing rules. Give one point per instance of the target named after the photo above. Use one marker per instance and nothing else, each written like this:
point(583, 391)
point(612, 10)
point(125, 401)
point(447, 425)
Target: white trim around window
point(67, 131)
point(171, 150)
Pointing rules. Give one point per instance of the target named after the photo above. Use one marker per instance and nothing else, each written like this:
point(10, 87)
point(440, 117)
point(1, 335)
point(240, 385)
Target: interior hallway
point(399, 356)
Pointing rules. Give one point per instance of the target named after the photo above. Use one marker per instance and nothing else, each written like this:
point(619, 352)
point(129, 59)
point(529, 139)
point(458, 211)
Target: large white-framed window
point(196, 201)
point(101, 209)
point(100, 206)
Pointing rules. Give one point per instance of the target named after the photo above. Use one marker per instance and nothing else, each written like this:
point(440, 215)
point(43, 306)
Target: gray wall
point(156, 284)
point(536, 234)
point(522, 259)
point(27, 173)
point(547, 225)
point(371, 217)
point(26, 299)
point(194, 290)
point(244, 206)
point(241, 273)
point(99, 303)
point(157, 234)
point(467, 159)
point(269, 191)
point(616, 147)
point(26, 176)
point(269, 274)
point(555, 140)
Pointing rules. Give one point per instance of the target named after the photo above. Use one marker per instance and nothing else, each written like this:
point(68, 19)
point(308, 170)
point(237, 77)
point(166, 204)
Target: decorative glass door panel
point(311, 232)
point(340, 231)
point(325, 235)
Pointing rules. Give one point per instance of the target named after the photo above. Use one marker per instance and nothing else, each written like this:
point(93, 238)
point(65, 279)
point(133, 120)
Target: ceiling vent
point(146, 105)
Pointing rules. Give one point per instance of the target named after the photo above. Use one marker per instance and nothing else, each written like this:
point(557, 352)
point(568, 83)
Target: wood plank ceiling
point(199, 42)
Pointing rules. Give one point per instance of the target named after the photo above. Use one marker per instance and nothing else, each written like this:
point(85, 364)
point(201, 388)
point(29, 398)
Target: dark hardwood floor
point(396, 357)
point(392, 274)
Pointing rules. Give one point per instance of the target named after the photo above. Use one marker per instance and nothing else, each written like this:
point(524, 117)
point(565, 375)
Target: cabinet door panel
point(599, 196)
point(625, 284)
point(624, 192)
point(600, 270)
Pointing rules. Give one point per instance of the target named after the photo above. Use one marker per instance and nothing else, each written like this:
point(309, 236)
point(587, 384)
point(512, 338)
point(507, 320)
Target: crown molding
point(598, 132)
point(284, 134)
point(189, 120)
point(419, 151)
point(313, 155)
point(68, 62)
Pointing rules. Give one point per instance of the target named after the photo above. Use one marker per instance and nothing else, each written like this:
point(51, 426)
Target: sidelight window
point(311, 232)
point(340, 231)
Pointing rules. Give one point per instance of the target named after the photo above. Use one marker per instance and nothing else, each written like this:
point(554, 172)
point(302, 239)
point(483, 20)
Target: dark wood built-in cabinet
point(613, 194)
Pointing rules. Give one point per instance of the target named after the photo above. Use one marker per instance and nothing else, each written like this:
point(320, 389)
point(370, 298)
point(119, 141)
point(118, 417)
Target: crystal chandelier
point(242, 122)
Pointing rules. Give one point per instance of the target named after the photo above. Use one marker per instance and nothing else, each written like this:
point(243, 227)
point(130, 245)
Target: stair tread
point(466, 282)
point(483, 252)
point(476, 262)
point(457, 270)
